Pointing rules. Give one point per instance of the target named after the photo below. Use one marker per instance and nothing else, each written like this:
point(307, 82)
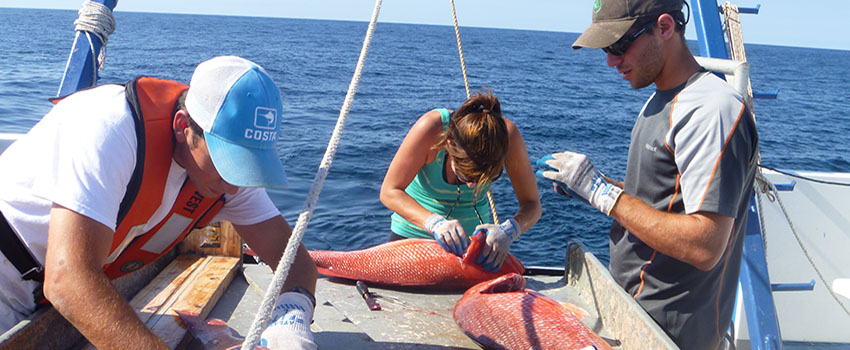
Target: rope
point(265, 311)
point(775, 194)
point(468, 95)
point(96, 18)
point(806, 178)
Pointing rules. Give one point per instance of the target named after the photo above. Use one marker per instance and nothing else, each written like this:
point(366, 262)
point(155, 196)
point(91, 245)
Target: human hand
point(575, 176)
point(449, 233)
point(497, 243)
point(289, 327)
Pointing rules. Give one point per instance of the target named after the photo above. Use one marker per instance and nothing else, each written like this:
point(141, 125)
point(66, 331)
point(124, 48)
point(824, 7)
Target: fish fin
point(508, 283)
point(476, 243)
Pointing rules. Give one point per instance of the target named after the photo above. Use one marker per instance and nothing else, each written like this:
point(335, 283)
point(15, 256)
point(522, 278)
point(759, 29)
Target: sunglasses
point(621, 46)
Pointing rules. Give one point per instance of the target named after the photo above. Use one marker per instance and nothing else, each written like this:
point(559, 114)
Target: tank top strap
point(444, 117)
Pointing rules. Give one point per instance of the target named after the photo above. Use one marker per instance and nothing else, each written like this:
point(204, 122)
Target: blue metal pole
point(709, 30)
point(754, 281)
point(755, 287)
point(80, 69)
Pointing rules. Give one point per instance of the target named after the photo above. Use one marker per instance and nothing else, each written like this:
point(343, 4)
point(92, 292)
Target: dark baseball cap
point(613, 18)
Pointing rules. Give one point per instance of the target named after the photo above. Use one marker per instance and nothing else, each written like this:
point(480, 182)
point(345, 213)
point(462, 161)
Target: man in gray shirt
point(680, 214)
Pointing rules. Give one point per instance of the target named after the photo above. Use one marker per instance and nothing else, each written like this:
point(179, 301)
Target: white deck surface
point(408, 319)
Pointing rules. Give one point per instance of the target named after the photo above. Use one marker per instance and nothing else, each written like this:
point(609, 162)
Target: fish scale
point(412, 262)
point(501, 314)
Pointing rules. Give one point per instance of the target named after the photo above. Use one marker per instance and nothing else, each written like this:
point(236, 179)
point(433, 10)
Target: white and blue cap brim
point(242, 134)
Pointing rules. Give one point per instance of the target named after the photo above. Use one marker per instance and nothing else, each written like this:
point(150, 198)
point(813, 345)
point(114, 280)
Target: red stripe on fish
point(500, 314)
point(412, 262)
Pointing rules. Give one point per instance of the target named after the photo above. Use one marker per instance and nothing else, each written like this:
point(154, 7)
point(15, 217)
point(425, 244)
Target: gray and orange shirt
point(693, 149)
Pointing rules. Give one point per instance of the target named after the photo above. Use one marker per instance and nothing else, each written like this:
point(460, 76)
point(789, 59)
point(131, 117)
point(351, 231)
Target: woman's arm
point(522, 178)
point(413, 153)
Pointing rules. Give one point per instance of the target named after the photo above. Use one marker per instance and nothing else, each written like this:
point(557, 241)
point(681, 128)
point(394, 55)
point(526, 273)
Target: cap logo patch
point(265, 122)
point(265, 118)
point(597, 6)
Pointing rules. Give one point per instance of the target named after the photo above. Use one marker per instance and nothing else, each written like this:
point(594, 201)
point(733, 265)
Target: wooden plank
point(155, 296)
point(197, 295)
point(189, 283)
point(216, 239)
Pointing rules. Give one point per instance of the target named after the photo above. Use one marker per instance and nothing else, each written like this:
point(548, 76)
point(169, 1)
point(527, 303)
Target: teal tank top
point(431, 191)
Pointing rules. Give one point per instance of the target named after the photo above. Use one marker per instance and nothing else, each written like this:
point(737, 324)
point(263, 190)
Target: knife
point(367, 296)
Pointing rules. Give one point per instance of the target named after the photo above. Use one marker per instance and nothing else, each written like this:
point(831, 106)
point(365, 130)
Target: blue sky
point(817, 23)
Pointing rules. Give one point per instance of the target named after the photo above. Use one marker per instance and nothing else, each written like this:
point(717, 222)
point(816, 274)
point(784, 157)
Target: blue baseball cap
point(238, 106)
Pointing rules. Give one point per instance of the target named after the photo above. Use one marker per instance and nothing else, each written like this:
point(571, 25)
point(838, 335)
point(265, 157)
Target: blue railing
point(754, 281)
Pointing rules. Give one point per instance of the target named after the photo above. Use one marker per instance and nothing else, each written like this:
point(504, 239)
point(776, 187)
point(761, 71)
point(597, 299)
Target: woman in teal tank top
point(438, 180)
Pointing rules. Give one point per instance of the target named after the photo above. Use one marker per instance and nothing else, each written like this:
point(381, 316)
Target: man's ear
point(180, 126)
point(667, 25)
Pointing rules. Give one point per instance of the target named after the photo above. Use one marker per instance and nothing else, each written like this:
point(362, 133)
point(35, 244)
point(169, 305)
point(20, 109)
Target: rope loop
point(96, 19)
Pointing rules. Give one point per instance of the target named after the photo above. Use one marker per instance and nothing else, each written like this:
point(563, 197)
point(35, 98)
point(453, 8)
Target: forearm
point(88, 300)
point(528, 214)
point(403, 204)
point(269, 240)
point(302, 274)
point(694, 239)
point(77, 247)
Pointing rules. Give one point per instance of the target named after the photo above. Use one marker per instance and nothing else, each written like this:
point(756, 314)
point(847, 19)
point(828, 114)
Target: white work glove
point(289, 327)
point(449, 233)
point(576, 176)
point(497, 243)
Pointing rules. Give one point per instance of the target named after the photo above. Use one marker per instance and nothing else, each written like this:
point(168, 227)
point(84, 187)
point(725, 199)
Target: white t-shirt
point(81, 156)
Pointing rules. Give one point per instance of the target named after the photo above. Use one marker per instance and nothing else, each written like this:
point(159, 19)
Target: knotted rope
point(262, 318)
point(96, 19)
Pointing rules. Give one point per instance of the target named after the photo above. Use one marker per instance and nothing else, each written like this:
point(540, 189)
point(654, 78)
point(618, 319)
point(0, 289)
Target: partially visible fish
point(500, 314)
point(214, 334)
point(413, 262)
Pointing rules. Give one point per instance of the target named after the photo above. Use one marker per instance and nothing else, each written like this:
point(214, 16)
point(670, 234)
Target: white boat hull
point(819, 213)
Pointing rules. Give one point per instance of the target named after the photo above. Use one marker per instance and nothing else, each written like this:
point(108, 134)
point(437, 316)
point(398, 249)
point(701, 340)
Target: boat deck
point(411, 319)
point(408, 319)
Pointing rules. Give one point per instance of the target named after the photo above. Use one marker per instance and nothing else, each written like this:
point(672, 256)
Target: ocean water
point(560, 99)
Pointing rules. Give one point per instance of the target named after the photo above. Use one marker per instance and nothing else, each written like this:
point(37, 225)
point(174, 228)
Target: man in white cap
point(113, 177)
point(680, 214)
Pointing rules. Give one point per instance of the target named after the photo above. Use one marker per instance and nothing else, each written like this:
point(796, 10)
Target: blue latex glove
point(497, 243)
point(575, 176)
point(449, 233)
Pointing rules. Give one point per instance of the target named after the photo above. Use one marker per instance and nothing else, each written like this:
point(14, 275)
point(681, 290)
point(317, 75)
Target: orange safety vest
point(153, 103)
